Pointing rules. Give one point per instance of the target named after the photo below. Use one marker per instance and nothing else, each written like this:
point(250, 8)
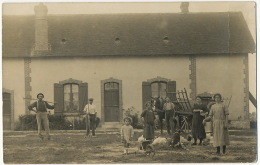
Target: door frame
point(12, 105)
point(103, 82)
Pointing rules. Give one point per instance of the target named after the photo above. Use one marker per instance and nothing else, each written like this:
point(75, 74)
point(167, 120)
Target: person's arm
point(164, 106)
point(95, 109)
point(142, 116)
point(48, 105)
point(86, 108)
point(173, 106)
point(226, 115)
point(209, 117)
point(33, 105)
point(122, 134)
point(132, 133)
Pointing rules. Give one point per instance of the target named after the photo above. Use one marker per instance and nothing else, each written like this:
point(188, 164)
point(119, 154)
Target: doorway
point(7, 111)
point(111, 101)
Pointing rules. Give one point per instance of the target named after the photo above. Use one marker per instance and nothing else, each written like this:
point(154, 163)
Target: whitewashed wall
point(225, 75)
point(214, 74)
point(132, 71)
point(13, 79)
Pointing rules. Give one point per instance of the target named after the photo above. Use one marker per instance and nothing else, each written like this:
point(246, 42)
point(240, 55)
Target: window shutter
point(83, 95)
point(171, 90)
point(58, 98)
point(146, 92)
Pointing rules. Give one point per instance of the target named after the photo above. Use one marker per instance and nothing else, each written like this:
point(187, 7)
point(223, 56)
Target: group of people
point(40, 108)
point(218, 113)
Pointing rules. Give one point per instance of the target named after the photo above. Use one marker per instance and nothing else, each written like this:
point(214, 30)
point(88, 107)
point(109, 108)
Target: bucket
point(208, 127)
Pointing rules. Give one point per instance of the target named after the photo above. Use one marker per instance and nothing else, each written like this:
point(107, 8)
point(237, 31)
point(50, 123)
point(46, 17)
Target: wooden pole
point(187, 98)
point(180, 100)
point(184, 100)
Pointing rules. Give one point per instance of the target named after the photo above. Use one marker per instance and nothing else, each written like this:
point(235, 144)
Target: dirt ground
point(70, 147)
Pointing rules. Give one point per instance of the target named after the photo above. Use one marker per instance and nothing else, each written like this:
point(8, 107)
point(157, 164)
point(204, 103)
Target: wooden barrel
point(208, 127)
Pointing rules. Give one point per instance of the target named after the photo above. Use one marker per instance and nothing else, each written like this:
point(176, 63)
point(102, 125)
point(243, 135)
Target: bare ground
point(71, 147)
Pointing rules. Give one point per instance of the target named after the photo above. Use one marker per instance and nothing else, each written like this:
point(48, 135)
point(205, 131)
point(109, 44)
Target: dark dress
point(148, 124)
point(198, 130)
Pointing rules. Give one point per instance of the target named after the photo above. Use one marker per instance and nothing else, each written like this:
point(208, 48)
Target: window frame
point(159, 88)
point(70, 98)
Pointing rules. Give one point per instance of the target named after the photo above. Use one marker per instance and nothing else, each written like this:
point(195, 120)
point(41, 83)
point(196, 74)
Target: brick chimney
point(184, 7)
point(41, 27)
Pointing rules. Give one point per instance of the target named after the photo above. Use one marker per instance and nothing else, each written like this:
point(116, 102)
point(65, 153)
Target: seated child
point(127, 133)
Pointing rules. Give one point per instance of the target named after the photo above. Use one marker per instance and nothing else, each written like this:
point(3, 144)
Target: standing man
point(169, 113)
point(161, 113)
point(91, 112)
point(41, 115)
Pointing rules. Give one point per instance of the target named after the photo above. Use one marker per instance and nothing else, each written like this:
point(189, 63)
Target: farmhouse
point(122, 60)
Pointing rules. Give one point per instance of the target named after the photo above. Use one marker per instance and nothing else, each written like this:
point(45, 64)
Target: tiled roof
point(131, 34)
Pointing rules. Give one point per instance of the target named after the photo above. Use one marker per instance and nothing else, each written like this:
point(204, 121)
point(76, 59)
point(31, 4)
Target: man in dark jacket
point(41, 115)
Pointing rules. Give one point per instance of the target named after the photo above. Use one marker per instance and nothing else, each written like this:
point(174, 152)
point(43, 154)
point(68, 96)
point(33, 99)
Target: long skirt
point(220, 134)
point(148, 131)
point(197, 129)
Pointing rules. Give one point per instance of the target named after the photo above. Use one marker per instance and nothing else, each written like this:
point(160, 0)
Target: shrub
point(131, 112)
point(59, 123)
point(29, 122)
point(26, 122)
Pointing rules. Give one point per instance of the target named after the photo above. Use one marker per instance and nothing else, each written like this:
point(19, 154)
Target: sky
point(11, 7)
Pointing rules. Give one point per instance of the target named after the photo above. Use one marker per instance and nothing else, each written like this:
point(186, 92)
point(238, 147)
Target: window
point(71, 97)
point(111, 86)
point(159, 89)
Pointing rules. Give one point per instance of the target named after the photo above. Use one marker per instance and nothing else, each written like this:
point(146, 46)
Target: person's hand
point(130, 139)
point(204, 122)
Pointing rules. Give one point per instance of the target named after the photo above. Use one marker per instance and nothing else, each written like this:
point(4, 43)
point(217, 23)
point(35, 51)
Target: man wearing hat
point(91, 112)
point(41, 115)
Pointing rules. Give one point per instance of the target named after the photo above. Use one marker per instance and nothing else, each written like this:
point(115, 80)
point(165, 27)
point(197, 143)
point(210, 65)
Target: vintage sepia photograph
point(129, 82)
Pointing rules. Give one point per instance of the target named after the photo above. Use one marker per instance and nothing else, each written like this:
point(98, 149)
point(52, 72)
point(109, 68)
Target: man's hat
point(90, 99)
point(40, 94)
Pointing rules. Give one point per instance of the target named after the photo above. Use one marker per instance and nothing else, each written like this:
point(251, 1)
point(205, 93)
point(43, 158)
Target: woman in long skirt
point(148, 117)
point(219, 114)
point(198, 130)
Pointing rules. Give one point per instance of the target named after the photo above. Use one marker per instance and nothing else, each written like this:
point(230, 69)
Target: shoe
point(194, 144)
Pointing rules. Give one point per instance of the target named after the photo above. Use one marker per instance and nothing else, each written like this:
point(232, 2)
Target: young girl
point(127, 133)
point(148, 119)
point(219, 114)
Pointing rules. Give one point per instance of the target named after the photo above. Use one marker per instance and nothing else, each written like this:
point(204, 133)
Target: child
point(127, 133)
point(148, 118)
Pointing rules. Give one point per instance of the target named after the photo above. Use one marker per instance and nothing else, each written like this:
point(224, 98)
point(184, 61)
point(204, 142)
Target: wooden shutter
point(83, 95)
point(58, 99)
point(146, 92)
point(171, 90)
